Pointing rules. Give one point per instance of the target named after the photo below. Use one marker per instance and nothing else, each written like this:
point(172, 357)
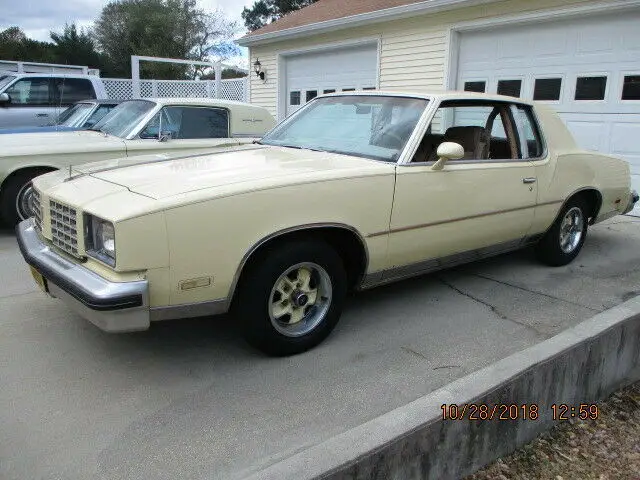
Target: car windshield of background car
point(123, 119)
point(71, 115)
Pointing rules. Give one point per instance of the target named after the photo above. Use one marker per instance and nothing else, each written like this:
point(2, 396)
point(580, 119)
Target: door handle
point(529, 180)
point(42, 114)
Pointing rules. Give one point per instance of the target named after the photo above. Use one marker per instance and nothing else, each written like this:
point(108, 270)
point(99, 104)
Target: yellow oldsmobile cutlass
point(352, 191)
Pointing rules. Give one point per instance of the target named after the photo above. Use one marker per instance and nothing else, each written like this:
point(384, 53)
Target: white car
point(135, 127)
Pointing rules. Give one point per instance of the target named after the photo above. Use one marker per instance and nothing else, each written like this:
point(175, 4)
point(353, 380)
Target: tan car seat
point(473, 141)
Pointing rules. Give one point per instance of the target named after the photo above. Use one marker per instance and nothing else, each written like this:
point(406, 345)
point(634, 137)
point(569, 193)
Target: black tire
point(10, 191)
point(251, 305)
point(549, 249)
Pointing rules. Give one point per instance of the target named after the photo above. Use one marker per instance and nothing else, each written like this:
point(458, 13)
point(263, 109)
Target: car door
point(31, 104)
point(183, 129)
point(479, 204)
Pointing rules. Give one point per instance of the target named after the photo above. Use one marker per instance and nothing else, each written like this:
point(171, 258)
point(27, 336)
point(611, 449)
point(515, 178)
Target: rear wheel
point(292, 298)
point(16, 203)
point(564, 240)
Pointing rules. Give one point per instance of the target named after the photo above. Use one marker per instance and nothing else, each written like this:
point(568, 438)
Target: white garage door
point(344, 69)
point(588, 69)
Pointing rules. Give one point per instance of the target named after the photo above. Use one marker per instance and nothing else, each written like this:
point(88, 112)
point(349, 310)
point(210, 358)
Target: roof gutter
point(394, 13)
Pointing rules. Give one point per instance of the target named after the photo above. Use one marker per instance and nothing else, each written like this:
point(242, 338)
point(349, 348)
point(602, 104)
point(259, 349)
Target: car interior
point(479, 142)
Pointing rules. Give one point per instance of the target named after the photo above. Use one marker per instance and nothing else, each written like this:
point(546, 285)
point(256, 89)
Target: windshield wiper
point(98, 130)
point(297, 147)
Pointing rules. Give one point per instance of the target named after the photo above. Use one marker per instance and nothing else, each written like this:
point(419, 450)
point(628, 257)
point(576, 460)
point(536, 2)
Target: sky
point(38, 17)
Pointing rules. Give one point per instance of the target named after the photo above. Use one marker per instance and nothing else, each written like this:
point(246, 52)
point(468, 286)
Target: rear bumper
point(111, 306)
point(632, 202)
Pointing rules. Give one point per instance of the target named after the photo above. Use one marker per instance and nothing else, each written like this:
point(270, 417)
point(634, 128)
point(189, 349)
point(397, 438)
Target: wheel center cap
point(299, 299)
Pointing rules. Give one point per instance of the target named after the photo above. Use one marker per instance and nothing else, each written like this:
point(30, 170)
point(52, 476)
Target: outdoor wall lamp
point(257, 67)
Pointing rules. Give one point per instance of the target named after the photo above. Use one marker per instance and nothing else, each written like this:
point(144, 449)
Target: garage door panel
point(624, 138)
point(588, 134)
point(311, 73)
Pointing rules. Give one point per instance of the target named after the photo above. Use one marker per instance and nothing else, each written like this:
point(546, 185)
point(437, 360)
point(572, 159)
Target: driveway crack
point(412, 351)
point(491, 307)
point(501, 282)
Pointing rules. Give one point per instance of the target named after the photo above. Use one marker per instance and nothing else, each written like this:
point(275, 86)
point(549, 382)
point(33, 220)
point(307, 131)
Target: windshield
point(375, 127)
point(5, 80)
point(72, 116)
point(123, 119)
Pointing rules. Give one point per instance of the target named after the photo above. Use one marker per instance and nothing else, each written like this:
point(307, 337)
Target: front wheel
point(17, 197)
point(292, 298)
point(564, 240)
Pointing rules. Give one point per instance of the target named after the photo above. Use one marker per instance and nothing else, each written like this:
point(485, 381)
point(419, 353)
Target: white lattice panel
point(182, 89)
point(118, 88)
point(231, 89)
point(146, 89)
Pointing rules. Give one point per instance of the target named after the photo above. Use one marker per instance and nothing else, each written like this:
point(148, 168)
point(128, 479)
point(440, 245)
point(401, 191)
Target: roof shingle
point(324, 10)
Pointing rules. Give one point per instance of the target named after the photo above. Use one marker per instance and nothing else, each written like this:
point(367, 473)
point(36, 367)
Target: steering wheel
point(392, 135)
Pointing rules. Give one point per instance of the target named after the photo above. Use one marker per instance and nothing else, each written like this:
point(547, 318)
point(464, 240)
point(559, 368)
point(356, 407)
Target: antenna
point(59, 106)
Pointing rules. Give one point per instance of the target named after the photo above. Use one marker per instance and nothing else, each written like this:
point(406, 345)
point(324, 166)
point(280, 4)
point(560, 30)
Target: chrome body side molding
point(395, 274)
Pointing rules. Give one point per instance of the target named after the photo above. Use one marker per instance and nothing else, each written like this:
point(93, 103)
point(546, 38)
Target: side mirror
point(164, 137)
point(4, 98)
point(448, 151)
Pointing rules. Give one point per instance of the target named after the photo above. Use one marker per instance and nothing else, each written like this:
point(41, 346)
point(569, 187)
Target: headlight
point(100, 239)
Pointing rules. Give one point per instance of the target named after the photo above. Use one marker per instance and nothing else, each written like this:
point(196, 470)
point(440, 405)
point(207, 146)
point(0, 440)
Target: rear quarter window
point(529, 131)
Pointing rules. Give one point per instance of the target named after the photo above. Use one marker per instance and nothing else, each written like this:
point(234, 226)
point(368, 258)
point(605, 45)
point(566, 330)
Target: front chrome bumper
point(111, 306)
point(632, 201)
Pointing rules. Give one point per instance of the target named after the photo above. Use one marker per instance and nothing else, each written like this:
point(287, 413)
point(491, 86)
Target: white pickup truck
point(36, 99)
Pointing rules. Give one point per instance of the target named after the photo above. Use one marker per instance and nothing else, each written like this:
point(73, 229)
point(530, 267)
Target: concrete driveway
point(188, 399)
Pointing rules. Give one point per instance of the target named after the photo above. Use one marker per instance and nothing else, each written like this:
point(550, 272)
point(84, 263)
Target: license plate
point(40, 280)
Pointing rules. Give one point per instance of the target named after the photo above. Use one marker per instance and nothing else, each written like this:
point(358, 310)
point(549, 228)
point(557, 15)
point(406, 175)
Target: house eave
point(394, 13)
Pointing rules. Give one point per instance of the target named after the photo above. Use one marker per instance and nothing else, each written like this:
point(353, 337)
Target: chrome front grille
point(37, 210)
point(64, 221)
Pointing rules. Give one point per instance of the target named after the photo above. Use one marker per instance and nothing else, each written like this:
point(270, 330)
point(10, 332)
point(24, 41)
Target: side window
point(197, 122)
point(30, 91)
point(189, 123)
point(70, 90)
point(152, 130)
point(484, 130)
point(529, 132)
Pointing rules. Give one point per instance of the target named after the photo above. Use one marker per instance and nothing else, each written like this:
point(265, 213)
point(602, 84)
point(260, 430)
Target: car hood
point(239, 169)
point(81, 141)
